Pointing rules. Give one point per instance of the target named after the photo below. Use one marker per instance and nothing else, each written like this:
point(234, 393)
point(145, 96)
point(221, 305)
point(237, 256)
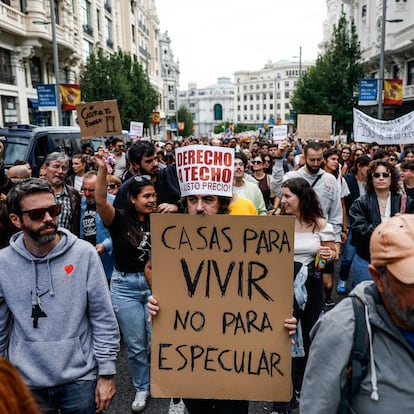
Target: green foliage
point(185, 116)
point(119, 77)
point(330, 87)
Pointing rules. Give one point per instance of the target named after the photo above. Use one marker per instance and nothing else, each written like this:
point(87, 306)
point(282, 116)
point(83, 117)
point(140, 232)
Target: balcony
point(11, 18)
point(7, 78)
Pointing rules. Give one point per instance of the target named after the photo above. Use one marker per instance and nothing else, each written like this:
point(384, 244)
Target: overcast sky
point(213, 38)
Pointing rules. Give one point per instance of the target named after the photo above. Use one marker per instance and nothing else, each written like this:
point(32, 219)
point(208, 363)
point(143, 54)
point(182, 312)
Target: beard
point(312, 170)
point(37, 235)
point(404, 315)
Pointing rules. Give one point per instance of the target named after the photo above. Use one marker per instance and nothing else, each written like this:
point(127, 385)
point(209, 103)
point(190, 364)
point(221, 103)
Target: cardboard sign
point(315, 127)
point(224, 286)
point(99, 119)
point(202, 169)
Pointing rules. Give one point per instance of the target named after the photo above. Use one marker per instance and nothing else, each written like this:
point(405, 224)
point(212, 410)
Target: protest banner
point(224, 285)
point(99, 118)
point(205, 170)
point(280, 132)
point(315, 127)
point(396, 131)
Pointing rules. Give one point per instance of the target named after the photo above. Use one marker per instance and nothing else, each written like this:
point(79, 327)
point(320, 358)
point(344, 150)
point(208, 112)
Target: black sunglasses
point(141, 178)
point(39, 213)
point(112, 186)
point(257, 162)
point(384, 174)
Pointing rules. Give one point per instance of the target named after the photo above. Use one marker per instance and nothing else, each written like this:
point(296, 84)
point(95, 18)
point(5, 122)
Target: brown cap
point(392, 244)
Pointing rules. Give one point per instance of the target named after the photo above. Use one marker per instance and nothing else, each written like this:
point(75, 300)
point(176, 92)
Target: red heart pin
point(69, 269)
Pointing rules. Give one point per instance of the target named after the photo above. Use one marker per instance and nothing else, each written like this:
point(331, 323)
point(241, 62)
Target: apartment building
point(398, 45)
point(26, 48)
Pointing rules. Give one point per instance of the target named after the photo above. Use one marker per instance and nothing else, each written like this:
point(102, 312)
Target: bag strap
point(317, 179)
point(357, 367)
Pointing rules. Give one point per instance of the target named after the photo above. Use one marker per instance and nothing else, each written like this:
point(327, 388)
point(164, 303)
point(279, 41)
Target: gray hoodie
point(388, 386)
point(79, 337)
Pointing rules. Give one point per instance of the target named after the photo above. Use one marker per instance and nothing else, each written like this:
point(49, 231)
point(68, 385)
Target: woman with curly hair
point(381, 201)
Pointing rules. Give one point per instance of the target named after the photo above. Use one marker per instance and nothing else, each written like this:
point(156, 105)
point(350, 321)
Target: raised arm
point(105, 209)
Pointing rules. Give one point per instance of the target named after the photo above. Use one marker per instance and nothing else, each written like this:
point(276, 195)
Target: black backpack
point(359, 359)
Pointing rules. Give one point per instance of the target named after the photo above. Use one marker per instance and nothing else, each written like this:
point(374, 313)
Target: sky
point(214, 38)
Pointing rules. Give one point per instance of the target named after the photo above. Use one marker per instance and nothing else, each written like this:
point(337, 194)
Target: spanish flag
point(393, 94)
point(71, 96)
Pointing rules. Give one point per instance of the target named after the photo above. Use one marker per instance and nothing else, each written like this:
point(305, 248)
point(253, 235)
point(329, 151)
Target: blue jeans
point(129, 295)
point(359, 270)
point(73, 398)
point(348, 254)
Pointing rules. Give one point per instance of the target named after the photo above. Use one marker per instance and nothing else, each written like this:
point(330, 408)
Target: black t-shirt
point(128, 258)
point(89, 224)
point(409, 192)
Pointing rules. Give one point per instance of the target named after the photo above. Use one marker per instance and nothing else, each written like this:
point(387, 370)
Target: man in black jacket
point(144, 161)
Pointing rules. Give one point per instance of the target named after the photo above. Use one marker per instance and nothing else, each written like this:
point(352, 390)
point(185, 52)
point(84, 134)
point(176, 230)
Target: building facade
point(26, 48)
point(263, 96)
point(398, 45)
point(209, 106)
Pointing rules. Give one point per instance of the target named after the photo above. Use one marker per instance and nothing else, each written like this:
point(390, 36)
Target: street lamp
point(382, 56)
point(300, 61)
point(55, 58)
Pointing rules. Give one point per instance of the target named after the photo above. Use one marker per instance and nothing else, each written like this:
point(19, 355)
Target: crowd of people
point(89, 215)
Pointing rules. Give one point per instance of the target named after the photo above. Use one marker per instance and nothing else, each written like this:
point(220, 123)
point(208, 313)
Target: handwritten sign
point(203, 169)
point(396, 131)
point(224, 285)
point(280, 132)
point(136, 129)
point(99, 119)
point(315, 126)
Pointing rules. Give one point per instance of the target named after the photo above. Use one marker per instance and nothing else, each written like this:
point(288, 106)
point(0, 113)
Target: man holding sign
point(213, 171)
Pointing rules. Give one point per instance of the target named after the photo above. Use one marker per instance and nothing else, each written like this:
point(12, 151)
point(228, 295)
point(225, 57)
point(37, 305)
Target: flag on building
point(393, 91)
point(71, 96)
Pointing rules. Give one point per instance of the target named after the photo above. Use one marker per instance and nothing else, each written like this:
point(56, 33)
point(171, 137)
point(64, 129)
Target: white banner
point(202, 169)
point(395, 131)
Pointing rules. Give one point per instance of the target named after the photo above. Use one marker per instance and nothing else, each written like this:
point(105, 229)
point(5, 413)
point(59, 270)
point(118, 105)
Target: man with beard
point(57, 325)
point(143, 161)
point(324, 183)
point(57, 167)
point(388, 302)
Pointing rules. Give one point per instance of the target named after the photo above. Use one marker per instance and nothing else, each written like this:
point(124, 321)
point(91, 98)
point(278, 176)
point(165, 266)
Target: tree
point(186, 117)
point(331, 85)
point(119, 77)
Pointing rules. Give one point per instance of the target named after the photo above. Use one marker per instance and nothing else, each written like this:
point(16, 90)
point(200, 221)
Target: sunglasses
point(383, 175)
point(257, 162)
point(393, 159)
point(112, 186)
point(141, 178)
point(39, 213)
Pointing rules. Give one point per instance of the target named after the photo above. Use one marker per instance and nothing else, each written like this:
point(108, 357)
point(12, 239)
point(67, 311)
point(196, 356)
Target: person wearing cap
point(389, 310)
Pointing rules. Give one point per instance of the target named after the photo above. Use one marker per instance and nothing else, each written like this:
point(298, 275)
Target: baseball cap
point(392, 244)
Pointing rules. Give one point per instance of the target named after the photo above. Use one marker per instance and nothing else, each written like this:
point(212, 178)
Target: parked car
point(33, 143)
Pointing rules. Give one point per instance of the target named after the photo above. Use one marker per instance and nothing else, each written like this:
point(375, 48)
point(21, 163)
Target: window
point(171, 106)
point(108, 33)
point(287, 106)
point(98, 20)
point(133, 33)
point(86, 17)
point(287, 84)
point(57, 14)
point(257, 97)
point(364, 11)
point(251, 107)
point(257, 107)
point(6, 74)
point(410, 73)
point(86, 49)
point(286, 95)
point(35, 71)
point(218, 112)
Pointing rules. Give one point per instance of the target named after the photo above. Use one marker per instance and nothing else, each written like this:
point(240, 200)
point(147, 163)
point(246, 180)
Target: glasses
point(268, 161)
point(257, 162)
point(141, 178)
point(39, 213)
point(359, 154)
point(112, 186)
point(393, 159)
point(383, 175)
